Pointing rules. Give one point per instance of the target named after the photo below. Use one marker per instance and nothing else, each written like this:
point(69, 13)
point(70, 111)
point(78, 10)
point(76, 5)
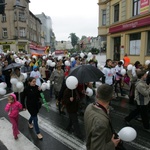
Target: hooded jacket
point(13, 108)
point(142, 92)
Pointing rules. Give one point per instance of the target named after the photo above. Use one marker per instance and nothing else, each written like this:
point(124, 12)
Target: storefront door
point(117, 44)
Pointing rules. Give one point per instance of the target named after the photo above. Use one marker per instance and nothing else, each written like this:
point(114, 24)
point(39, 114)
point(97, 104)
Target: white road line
point(6, 136)
point(58, 133)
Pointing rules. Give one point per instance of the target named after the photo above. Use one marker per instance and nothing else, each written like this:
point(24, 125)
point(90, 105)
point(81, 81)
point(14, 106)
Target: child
point(13, 107)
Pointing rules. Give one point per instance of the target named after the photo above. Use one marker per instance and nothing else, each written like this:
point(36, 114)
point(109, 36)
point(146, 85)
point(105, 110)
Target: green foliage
point(94, 51)
point(74, 39)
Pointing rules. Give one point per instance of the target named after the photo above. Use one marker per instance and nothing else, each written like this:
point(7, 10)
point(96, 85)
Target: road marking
point(58, 133)
point(6, 136)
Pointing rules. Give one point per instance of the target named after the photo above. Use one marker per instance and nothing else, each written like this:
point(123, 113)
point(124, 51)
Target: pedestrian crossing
point(22, 143)
point(48, 127)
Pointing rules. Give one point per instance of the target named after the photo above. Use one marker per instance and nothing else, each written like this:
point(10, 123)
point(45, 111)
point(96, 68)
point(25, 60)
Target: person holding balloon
point(99, 131)
point(70, 98)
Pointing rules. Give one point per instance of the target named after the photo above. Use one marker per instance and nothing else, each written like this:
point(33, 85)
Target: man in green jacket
point(99, 132)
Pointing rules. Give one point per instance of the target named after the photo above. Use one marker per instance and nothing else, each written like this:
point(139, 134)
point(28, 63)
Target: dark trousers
point(35, 122)
point(116, 84)
point(143, 111)
point(73, 121)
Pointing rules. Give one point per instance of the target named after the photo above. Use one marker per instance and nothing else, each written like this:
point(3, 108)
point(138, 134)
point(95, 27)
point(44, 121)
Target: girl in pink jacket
point(13, 107)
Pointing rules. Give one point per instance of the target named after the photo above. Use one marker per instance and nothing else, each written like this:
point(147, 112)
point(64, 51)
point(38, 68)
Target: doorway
point(117, 44)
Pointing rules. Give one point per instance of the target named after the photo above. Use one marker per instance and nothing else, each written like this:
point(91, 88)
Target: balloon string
point(44, 101)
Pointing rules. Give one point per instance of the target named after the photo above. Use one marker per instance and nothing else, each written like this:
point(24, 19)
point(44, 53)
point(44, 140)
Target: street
point(53, 125)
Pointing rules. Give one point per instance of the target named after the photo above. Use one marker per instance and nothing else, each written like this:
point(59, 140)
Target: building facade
point(20, 29)
point(125, 26)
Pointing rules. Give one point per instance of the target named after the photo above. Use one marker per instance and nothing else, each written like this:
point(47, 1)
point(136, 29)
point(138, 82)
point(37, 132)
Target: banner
point(144, 6)
point(37, 49)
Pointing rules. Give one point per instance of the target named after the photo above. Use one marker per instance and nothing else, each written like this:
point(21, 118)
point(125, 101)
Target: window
point(136, 7)
point(4, 32)
point(4, 18)
point(21, 16)
point(116, 13)
point(103, 17)
point(148, 43)
point(22, 32)
point(135, 43)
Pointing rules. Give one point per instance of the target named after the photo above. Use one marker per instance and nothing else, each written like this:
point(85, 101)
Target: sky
point(69, 16)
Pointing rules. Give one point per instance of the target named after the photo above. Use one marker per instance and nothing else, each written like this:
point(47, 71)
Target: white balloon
point(49, 62)
point(127, 134)
point(25, 75)
point(2, 91)
point(90, 55)
point(44, 86)
point(13, 80)
point(17, 60)
point(81, 55)
point(19, 85)
point(123, 71)
point(53, 64)
point(122, 61)
point(71, 82)
point(89, 92)
point(34, 57)
point(129, 67)
point(147, 62)
point(59, 58)
point(72, 59)
point(67, 63)
point(44, 57)
point(3, 85)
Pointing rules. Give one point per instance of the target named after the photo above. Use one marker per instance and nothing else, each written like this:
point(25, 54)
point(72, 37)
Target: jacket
point(31, 99)
point(142, 92)
point(13, 109)
point(98, 129)
point(57, 77)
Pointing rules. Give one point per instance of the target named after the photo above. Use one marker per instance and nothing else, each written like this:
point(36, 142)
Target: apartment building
point(19, 27)
point(125, 26)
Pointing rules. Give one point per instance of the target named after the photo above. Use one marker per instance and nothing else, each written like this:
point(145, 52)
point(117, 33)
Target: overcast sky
point(69, 16)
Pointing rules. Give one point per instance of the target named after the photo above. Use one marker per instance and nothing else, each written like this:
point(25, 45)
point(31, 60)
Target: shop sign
point(131, 25)
point(3, 43)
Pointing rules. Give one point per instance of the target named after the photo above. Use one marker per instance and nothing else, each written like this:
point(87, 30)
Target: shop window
point(104, 17)
point(148, 44)
point(6, 48)
point(116, 13)
point(135, 43)
point(136, 7)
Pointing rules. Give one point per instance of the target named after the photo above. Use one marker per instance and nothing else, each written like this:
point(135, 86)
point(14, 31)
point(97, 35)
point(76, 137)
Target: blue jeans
point(35, 121)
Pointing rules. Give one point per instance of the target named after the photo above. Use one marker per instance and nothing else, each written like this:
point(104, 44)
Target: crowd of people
point(76, 101)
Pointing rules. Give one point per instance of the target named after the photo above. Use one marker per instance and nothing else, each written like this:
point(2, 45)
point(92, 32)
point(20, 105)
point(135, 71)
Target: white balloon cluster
point(127, 134)
point(19, 84)
point(50, 63)
point(3, 85)
point(45, 85)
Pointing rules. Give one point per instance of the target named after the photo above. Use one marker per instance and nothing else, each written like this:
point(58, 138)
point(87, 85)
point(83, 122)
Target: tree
point(74, 39)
